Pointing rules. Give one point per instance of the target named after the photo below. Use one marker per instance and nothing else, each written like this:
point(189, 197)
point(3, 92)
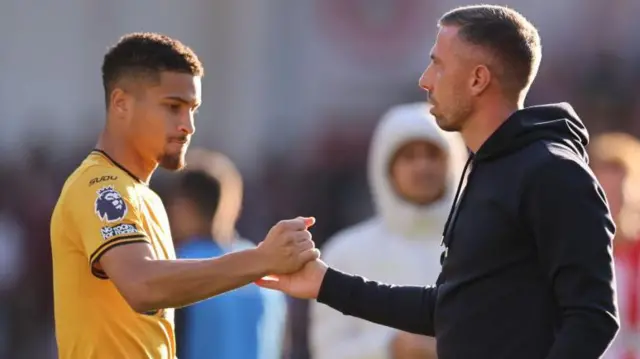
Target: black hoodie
point(527, 265)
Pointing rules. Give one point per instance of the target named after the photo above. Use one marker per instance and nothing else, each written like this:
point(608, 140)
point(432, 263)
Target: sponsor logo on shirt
point(117, 230)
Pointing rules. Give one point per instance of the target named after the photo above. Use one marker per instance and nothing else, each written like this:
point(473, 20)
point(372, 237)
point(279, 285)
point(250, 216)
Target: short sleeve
point(105, 210)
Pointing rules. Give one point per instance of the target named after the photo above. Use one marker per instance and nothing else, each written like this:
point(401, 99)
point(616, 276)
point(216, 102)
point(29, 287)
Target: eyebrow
point(183, 100)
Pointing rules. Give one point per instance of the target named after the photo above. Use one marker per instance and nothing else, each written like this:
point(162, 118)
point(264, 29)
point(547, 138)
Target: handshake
point(291, 259)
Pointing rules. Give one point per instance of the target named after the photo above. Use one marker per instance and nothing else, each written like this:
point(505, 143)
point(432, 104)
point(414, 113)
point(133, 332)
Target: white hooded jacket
point(399, 245)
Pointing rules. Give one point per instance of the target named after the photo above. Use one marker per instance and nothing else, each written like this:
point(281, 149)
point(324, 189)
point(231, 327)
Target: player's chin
point(173, 161)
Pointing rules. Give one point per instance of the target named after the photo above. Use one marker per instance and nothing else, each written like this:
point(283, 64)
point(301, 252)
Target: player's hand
point(304, 284)
point(288, 246)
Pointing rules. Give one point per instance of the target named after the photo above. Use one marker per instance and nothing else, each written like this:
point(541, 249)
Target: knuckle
point(291, 239)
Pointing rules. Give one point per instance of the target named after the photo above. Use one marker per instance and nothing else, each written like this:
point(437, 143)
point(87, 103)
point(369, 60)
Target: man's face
point(447, 79)
point(163, 118)
point(418, 172)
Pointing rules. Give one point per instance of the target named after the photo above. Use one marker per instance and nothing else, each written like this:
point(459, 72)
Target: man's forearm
point(177, 283)
point(405, 308)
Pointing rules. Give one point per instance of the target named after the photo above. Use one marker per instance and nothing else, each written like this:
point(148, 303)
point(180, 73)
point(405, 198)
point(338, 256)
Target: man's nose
point(423, 82)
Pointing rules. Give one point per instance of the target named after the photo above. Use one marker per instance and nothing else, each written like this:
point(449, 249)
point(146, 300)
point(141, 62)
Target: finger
point(310, 255)
point(305, 245)
point(301, 223)
point(281, 226)
point(303, 236)
point(309, 221)
point(296, 224)
point(269, 283)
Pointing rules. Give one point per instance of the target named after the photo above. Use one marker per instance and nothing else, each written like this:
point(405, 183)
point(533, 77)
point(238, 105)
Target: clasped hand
point(295, 265)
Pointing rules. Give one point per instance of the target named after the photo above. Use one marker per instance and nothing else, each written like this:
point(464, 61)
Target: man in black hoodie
point(527, 263)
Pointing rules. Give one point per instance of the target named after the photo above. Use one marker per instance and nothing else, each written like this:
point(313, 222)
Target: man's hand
point(413, 346)
point(288, 246)
point(304, 284)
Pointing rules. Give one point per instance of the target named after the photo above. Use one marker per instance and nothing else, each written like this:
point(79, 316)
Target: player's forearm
point(176, 283)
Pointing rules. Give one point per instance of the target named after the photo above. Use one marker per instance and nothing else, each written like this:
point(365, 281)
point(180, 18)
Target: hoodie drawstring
point(453, 212)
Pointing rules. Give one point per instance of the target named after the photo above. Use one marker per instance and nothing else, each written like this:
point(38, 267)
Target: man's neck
point(483, 124)
point(121, 152)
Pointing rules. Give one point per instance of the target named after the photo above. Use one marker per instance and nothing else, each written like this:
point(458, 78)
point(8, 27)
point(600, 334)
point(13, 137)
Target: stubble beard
point(173, 162)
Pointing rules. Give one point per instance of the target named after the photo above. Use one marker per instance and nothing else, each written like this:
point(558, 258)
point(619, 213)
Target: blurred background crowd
point(292, 95)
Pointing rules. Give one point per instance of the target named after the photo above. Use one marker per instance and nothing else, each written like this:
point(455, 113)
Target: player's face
point(164, 117)
point(418, 172)
point(446, 79)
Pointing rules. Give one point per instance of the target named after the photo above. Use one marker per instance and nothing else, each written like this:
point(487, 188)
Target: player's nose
point(187, 127)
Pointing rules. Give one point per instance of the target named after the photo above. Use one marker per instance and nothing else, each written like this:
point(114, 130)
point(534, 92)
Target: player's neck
point(126, 156)
point(484, 123)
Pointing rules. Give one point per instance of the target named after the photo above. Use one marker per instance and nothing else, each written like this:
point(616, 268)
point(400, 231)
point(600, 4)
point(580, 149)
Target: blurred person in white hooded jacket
point(413, 170)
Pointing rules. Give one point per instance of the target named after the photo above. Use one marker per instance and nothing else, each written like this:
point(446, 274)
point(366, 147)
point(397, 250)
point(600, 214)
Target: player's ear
point(119, 102)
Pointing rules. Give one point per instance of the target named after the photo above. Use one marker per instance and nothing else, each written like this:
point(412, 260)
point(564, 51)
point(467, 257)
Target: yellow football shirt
point(102, 206)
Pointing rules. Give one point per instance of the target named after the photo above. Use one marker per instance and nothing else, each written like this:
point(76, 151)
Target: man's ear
point(480, 79)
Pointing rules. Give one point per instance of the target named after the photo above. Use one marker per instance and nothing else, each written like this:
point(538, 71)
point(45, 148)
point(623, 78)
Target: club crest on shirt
point(109, 205)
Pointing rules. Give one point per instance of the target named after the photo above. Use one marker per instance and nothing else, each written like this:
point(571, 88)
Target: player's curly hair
point(146, 54)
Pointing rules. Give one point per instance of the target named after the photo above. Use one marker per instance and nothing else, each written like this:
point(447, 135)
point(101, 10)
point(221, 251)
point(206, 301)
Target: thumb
point(269, 282)
point(309, 221)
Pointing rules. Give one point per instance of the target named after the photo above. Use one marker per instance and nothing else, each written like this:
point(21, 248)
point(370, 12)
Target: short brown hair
point(506, 34)
point(147, 54)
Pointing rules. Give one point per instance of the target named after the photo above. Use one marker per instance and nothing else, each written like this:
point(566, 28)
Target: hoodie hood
point(402, 124)
point(553, 123)
point(220, 167)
